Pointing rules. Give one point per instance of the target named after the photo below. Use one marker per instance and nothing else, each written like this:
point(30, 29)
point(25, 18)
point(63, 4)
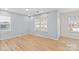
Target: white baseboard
point(44, 36)
point(18, 35)
point(70, 37)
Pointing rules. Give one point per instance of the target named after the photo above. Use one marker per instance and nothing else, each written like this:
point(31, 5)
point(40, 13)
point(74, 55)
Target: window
point(41, 23)
point(37, 24)
point(44, 22)
point(73, 23)
point(5, 23)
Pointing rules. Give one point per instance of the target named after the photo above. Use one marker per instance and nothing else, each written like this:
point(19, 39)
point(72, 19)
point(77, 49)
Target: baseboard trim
point(64, 36)
point(18, 35)
point(53, 38)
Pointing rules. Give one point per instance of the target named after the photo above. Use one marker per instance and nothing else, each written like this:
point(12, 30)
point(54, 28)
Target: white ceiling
point(33, 11)
point(64, 10)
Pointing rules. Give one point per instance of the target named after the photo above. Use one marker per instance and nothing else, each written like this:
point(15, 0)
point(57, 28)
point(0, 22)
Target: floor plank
point(35, 43)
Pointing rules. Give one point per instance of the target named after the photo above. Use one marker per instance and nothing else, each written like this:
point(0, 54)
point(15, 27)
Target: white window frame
point(40, 19)
point(73, 23)
point(6, 22)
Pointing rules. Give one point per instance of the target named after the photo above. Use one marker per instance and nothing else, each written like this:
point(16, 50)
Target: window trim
point(40, 18)
point(71, 21)
point(6, 19)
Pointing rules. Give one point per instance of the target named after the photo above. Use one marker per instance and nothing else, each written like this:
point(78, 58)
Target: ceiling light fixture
point(27, 9)
point(39, 11)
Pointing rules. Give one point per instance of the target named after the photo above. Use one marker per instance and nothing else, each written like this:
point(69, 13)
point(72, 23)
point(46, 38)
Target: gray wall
point(52, 26)
point(24, 25)
point(64, 25)
point(19, 25)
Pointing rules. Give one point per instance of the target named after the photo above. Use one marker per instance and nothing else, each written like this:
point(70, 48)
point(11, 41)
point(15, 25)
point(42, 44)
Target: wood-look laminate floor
point(34, 43)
